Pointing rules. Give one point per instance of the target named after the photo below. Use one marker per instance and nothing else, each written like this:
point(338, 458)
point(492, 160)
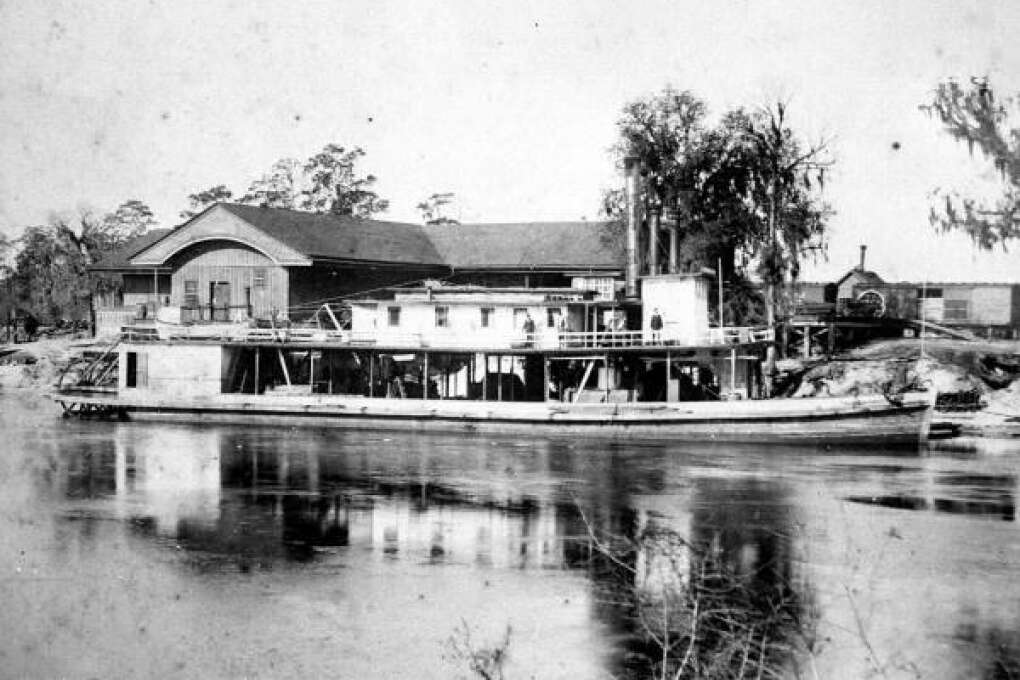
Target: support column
point(257, 356)
point(425, 377)
point(669, 363)
point(499, 377)
point(485, 377)
point(545, 378)
point(733, 371)
point(371, 374)
point(674, 248)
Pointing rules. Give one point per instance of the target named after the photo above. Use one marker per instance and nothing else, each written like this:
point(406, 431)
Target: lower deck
point(842, 420)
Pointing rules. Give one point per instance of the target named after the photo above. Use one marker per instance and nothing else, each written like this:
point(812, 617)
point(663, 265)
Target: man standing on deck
point(656, 326)
point(529, 330)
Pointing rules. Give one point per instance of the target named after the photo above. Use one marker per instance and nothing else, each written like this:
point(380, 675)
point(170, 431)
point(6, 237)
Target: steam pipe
point(632, 216)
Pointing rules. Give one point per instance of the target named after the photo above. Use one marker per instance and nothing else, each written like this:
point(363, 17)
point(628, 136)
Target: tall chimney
point(633, 216)
point(654, 219)
point(864, 249)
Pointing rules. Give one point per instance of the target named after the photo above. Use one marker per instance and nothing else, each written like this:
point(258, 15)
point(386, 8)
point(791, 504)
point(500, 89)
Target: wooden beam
point(283, 365)
point(584, 380)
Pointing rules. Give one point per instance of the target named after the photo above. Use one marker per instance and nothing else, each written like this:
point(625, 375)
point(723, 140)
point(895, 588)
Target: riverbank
point(37, 365)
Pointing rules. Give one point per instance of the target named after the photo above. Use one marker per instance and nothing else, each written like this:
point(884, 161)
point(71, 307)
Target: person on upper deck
point(656, 325)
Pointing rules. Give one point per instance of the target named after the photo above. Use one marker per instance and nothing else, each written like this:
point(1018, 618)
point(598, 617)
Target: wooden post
point(669, 364)
point(371, 373)
point(733, 370)
point(605, 371)
point(485, 377)
point(806, 348)
point(499, 377)
point(257, 353)
point(311, 371)
point(832, 338)
point(425, 377)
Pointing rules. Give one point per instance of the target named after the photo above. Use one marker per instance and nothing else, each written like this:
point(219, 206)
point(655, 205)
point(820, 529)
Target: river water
point(168, 550)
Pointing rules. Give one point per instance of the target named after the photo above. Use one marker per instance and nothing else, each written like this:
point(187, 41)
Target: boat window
point(487, 316)
point(394, 315)
point(442, 317)
point(552, 317)
point(520, 314)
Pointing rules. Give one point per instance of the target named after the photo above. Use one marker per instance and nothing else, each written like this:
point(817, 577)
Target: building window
point(258, 278)
point(394, 315)
point(442, 317)
point(191, 294)
point(487, 316)
point(925, 293)
point(955, 310)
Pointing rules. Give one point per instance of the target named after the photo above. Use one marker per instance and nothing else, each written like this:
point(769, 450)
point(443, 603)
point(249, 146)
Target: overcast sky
point(510, 105)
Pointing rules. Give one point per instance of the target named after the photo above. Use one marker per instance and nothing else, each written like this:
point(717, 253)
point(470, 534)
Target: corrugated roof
point(339, 237)
point(120, 258)
point(565, 245)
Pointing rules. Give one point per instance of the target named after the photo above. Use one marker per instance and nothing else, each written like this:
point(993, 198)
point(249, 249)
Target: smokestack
point(654, 215)
point(864, 249)
point(633, 217)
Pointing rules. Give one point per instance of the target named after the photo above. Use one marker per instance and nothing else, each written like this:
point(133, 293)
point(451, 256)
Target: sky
point(511, 105)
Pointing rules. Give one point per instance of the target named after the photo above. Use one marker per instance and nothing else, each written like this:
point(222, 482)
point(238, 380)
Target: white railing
point(449, 338)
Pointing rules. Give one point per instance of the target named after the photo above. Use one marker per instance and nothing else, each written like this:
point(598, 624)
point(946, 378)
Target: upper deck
point(493, 342)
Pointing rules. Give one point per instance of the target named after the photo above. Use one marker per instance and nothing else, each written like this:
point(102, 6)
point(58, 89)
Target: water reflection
point(571, 541)
point(991, 496)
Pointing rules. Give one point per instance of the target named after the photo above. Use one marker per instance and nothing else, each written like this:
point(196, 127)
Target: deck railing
point(547, 340)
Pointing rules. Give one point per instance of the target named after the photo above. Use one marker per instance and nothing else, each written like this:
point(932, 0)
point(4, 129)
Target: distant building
point(987, 308)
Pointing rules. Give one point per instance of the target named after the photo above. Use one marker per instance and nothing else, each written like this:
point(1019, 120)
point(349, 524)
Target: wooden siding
point(237, 265)
point(988, 304)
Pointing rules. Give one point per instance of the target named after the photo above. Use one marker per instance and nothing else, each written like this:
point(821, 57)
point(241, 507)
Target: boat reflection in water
point(365, 551)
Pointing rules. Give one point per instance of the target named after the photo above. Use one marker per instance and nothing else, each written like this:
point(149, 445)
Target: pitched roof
point(529, 245)
point(120, 258)
point(864, 277)
point(338, 237)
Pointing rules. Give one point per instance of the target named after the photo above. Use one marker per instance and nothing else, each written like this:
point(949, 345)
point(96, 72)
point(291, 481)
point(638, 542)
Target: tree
point(50, 278)
point(974, 116)
point(432, 209)
point(741, 190)
point(201, 200)
point(335, 188)
point(784, 172)
point(278, 188)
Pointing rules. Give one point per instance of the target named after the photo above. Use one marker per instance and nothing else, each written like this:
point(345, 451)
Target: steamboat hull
point(851, 421)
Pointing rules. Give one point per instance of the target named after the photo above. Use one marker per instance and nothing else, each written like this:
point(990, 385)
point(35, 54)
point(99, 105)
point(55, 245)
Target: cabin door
point(219, 300)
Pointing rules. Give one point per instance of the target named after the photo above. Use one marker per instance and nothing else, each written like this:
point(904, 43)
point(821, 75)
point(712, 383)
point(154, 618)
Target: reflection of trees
point(716, 598)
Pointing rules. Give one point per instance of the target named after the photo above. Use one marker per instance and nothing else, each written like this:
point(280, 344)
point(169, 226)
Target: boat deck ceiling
point(566, 352)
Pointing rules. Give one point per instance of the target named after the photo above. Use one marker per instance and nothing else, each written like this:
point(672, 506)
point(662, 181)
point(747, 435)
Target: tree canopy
point(328, 182)
point(335, 187)
point(974, 116)
point(199, 201)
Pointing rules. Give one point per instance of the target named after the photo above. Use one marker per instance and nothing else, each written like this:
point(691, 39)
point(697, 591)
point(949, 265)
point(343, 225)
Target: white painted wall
point(682, 301)
point(464, 320)
point(175, 370)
